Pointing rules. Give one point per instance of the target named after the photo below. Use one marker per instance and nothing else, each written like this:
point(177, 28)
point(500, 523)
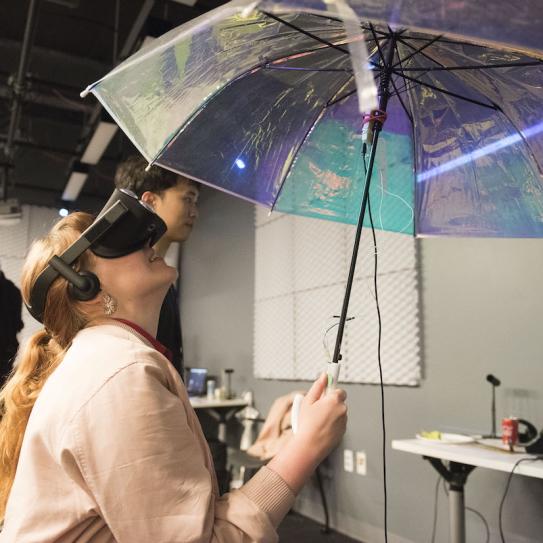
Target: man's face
point(178, 208)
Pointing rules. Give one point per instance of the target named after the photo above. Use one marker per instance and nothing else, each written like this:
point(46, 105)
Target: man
point(175, 199)
point(10, 324)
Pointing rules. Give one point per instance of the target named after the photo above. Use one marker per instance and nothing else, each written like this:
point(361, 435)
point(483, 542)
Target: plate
point(448, 438)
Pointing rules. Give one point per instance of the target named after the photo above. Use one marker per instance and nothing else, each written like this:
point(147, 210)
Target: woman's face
point(139, 276)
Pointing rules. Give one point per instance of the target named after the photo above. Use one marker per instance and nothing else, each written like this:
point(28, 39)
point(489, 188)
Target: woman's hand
point(322, 423)
point(322, 419)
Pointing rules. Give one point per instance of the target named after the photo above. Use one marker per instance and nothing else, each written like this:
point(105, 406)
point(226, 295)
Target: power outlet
point(348, 460)
point(361, 462)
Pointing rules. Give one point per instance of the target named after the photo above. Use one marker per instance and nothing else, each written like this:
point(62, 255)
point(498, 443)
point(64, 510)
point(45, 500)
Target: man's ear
point(149, 198)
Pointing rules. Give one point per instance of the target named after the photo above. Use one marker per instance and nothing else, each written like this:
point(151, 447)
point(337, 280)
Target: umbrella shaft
point(343, 317)
point(386, 72)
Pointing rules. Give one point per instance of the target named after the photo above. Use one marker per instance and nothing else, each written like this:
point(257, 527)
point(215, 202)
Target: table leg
point(221, 432)
point(222, 417)
point(457, 521)
point(456, 475)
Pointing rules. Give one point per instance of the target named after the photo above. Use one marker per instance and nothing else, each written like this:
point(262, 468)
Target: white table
point(463, 459)
point(221, 410)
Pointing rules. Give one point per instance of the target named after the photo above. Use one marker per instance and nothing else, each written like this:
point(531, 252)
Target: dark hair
point(131, 175)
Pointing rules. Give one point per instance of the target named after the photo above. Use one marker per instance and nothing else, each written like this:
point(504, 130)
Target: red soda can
point(510, 431)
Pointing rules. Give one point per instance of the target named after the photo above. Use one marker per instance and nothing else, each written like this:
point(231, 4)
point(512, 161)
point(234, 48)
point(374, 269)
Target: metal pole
point(383, 101)
point(124, 53)
point(494, 411)
point(457, 521)
point(19, 83)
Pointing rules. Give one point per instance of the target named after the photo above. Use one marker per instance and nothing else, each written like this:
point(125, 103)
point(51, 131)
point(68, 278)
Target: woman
point(98, 441)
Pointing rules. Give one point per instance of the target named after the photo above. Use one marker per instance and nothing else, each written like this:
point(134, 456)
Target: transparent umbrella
point(264, 106)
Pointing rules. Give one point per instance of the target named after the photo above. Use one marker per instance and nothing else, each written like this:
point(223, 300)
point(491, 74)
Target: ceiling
point(73, 43)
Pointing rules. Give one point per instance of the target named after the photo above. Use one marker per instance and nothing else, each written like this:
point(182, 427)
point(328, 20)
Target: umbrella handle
point(332, 373)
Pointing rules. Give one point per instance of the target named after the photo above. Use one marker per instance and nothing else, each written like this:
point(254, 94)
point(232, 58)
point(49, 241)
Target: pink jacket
point(113, 452)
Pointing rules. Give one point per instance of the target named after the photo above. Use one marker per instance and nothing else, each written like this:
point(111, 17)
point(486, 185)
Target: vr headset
point(125, 225)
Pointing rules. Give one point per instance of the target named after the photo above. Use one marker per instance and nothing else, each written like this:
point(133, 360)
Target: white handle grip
point(332, 371)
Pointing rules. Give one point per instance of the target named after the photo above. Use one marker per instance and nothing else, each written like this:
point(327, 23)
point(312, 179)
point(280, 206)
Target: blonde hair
point(63, 318)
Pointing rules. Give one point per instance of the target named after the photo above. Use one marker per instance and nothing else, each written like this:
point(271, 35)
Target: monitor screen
point(197, 382)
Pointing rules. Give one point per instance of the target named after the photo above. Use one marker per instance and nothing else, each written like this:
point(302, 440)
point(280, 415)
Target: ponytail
point(44, 351)
point(17, 397)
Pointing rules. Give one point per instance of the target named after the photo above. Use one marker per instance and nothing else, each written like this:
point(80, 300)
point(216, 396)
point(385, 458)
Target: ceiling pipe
point(128, 47)
point(126, 50)
point(50, 100)
point(21, 142)
point(19, 84)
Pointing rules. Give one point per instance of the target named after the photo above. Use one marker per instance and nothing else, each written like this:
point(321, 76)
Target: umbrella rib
point(396, 89)
point(413, 133)
point(413, 53)
point(452, 42)
point(293, 68)
point(288, 57)
point(430, 86)
point(410, 117)
point(375, 31)
point(474, 67)
point(306, 33)
point(174, 136)
point(450, 93)
point(342, 97)
point(521, 135)
point(425, 55)
point(442, 67)
point(379, 50)
point(405, 88)
point(309, 130)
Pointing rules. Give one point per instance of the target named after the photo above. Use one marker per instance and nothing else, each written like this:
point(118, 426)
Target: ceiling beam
point(43, 57)
point(38, 146)
point(50, 99)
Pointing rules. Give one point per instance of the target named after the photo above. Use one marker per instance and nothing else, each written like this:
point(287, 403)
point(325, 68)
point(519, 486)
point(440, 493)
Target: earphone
point(83, 285)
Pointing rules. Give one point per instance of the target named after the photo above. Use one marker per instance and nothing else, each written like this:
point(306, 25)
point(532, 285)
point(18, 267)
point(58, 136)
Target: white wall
point(481, 313)
point(15, 241)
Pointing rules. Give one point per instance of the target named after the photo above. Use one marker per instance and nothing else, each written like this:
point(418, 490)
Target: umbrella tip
point(249, 8)
point(148, 166)
point(84, 93)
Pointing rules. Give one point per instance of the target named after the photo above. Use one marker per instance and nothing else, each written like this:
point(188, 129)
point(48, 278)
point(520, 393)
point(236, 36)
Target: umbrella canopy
point(504, 24)
point(265, 107)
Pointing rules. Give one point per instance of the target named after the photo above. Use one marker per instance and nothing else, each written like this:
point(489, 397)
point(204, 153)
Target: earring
point(110, 304)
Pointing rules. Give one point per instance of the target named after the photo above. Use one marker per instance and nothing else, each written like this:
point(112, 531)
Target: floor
point(298, 529)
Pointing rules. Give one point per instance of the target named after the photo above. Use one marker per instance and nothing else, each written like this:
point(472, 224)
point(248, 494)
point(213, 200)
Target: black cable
point(507, 488)
point(378, 353)
point(326, 528)
point(483, 519)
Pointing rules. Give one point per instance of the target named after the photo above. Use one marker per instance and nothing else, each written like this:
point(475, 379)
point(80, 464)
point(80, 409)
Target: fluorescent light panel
point(98, 144)
point(74, 185)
